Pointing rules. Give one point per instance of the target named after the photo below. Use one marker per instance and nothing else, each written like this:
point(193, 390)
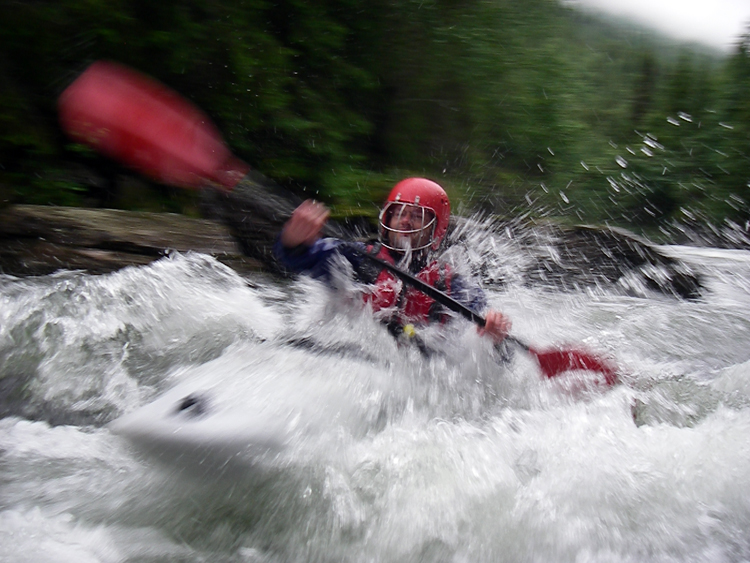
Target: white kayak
point(253, 404)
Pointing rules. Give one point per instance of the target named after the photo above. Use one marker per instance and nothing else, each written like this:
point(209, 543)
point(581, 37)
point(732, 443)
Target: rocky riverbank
point(39, 240)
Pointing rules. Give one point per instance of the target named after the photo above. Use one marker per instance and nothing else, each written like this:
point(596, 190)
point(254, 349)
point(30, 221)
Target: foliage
point(514, 105)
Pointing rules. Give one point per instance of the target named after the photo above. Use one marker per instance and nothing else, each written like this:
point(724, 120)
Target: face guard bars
point(395, 210)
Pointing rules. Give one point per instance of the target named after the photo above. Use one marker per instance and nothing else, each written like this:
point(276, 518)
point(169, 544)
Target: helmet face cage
point(425, 232)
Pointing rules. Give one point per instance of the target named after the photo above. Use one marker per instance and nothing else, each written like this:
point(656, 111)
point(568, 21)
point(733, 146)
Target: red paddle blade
point(145, 125)
point(556, 362)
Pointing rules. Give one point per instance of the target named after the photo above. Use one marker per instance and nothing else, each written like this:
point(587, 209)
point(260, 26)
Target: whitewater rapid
point(457, 458)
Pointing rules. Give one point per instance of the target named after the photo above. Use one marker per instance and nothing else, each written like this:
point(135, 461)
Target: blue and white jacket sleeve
point(469, 294)
point(317, 260)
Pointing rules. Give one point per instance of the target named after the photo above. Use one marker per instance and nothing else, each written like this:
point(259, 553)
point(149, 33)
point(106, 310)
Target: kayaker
point(411, 228)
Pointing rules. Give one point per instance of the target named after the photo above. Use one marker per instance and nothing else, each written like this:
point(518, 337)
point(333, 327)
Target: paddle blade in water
point(556, 362)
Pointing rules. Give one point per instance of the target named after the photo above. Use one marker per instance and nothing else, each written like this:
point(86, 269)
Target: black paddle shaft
point(439, 296)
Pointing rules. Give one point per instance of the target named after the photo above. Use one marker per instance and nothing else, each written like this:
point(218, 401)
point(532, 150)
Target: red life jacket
point(413, 305)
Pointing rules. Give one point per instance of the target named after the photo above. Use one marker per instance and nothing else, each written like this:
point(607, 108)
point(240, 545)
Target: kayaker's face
point(410, 226)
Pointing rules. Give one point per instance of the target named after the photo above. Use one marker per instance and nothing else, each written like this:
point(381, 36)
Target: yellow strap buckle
point(410, 331)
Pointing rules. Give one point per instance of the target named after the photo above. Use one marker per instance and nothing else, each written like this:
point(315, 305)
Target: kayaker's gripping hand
point(497, 326)
point(305, 224)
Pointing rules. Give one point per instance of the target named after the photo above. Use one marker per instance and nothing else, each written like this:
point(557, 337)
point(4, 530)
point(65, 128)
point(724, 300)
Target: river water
point(463, 457)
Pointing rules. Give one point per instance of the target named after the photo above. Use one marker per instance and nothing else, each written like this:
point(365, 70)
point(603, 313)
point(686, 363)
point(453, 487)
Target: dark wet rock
point(570, 258)
point(37, 240)
point(583, 256)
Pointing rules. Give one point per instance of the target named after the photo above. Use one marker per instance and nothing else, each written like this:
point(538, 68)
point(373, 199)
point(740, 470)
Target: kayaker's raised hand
point(497, 326)
point(305, 224)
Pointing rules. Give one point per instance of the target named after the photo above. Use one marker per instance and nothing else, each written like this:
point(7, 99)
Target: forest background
point(521, 109)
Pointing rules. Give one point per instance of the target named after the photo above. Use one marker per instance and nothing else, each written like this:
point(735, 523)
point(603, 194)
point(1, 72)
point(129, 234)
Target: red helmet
point(416, 194)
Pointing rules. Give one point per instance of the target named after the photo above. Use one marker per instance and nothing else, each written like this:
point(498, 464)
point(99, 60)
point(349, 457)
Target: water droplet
point(621, 162)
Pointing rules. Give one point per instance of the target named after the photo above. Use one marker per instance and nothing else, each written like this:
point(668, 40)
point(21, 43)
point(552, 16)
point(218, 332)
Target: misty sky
point(718, 23)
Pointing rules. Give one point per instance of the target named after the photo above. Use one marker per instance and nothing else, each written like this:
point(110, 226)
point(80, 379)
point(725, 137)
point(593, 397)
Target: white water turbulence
point(178, 412)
